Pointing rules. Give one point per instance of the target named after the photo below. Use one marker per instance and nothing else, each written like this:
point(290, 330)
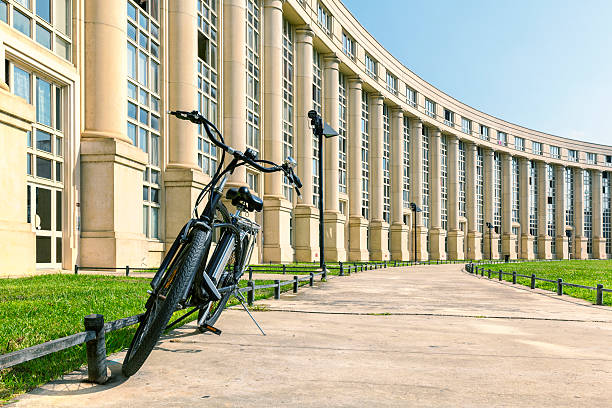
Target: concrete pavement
point(425, 336)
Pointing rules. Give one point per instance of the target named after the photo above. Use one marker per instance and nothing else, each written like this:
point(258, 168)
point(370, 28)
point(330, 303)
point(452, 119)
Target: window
point(406, 166)
point(324, 19)
point(569, 196)
point(480, 191)
point(533, 204)
point(317, 101)
point(607, 214)
point(516, 203)
point(143, 124)
point(386, 164)
point(391, 83)
point(365, 152)
point(484, 132)
point(461, 179)
point(371, 66)
point(288, 114)
point(497, 193)
point(502, 138)
point(208, 83)
point(48, 23)
point(449, 118)
point(430, 108)
point(536, 148)
point(444, 182)
point(608, 160)
point(466, 126)
point(410, 96)
point(519, 143)
point(22, 84)
point(551, 205)
point(588, 209)
point(425, 186)
point(572, 155)
point(591, 158)
point(555, 152)
point(348, 45)
point(342, 139)
point(253, 75)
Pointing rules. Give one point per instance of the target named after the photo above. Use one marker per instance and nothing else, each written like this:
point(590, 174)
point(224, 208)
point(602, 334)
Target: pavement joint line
point(384, 314)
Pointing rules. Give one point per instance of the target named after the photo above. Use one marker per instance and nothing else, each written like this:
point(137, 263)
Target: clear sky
point(542, 64)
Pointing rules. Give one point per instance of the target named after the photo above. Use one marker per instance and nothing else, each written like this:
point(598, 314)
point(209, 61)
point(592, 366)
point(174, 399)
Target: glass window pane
point(62, 16)
point(132, 90)
point(131, 31)
point(154, 153)
point(145, 193)
point(43, 10)
point(154, 49)
point(144, 143)
point(29, 204)
point(131, 130)
point(143, 40)
point(154, 76)
point(143, 21)
point(132, 110)
point(154, 176)
point(144, 116)
point(43, 249)
point(24, 3)
point(29, 164)
point(62, 48)
point(43, 209)
point(144, 97)
point(43, 167)
point(154, 222)
point(3, 11)
point(142, 68)
point(58, 108)
point(155, 104)
point(154, 122)
point(131, 11)
point(21, 83)
point(155, 195)
point(43, 141)
point(58, 171)
point(21, 22)
point(154, 30)
point(29, 138)
point(145, 220)
point(43, 36)
point(131, 61)
point(58, 250)
point(43, 102)
point(58, 210)
point(58, 146)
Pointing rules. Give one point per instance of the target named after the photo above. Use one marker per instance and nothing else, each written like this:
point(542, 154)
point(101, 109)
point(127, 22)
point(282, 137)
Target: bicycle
point(188, 277)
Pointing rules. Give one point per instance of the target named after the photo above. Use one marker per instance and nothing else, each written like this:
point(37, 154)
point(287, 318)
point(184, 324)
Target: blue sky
point(543, 64)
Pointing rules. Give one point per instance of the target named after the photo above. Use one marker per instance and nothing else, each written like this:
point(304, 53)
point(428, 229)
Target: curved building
point(95, 173)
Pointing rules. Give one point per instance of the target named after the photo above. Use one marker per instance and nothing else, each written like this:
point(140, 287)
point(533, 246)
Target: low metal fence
point(599, 288)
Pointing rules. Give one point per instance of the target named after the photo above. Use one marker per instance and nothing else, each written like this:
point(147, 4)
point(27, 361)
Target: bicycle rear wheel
point(163, 303)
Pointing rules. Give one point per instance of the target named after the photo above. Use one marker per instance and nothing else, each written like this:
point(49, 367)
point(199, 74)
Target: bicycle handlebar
point(195, 117)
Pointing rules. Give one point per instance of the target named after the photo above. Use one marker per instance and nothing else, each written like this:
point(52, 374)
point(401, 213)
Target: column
point(334, 220)
point(306, 215)
point(544, 240)
point(561, 239)
point(436, 233)
point(399, 231)
point(474, 236)
point(379, 229)
point(358, 225)
point(183, 179)
point(599, 242)
point(525, 203)
point(416, 188)
point(579, 243)
point(111, 167)
point(455, 235)
point(508, 238)
point(277, 210)
point(490, 236)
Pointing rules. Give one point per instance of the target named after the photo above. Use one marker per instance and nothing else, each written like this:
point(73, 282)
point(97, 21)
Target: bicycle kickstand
point(241, 300)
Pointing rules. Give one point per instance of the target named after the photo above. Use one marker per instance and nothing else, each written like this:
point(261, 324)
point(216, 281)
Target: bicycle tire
point(158, 315)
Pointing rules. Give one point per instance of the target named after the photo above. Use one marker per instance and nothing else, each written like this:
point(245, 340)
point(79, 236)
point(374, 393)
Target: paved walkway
point(427, 336)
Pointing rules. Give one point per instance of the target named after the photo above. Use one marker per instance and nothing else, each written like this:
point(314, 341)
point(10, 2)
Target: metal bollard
point(251, 293)
point(250, 273)
point(482, 271)
point(76, 269)
point(277, 289)
point(127, 270)
point(295, 284)
point(500, 274)
point(284, 269)
point(559, 286)
point(341, 269)
point(489, 273)
point(533, 280)
point(311, 282)
point(514, 277)
point(96, 349)
point(600, 294)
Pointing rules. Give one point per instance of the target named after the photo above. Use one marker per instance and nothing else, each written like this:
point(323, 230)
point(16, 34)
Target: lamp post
point(320, 129)
point(568, 234)
point(415, 209)
point(490, 227)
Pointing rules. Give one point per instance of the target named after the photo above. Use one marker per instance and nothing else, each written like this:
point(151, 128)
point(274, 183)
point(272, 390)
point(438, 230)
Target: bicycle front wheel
point(162, 304)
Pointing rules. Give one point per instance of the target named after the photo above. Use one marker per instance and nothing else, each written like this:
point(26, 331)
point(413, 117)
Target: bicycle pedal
point(211, 329)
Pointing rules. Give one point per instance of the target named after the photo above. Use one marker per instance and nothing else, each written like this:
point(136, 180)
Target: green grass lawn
point(42, 308)
point(586, 272)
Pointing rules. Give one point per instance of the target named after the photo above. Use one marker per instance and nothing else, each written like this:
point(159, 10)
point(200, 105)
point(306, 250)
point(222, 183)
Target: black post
point(250, 273)
point(284, 269)
point(559, 286)
point(341, 269)
point(500, 274)
point(76, 269)
point(311, 282)
point(295, 284)
point(414, 244)
point(533, 280)
point(127, 270)
point(251, 293)
point(599, 294)
point(96, 349)
point(277, 289)
point(319, 130)
point(489, 273)
point(514, 277)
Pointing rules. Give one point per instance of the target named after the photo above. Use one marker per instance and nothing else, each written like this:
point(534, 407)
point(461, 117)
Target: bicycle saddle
point(243, 196)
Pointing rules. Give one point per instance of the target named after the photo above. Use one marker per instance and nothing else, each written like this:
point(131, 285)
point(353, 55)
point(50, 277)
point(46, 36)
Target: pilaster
point(455, 235)
point(416, 181)
point(379, 229)
point(399, 232)
point(508, 238)
point(490, 237)
point(525, 203)
point(579, 244)
point(561, 241)
point(436, 233)
point(474, 236)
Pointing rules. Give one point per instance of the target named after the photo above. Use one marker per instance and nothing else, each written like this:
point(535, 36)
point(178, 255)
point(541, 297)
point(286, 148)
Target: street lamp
point(490, 227)
point(415, 209)
point(568, 234)
point(320, 129)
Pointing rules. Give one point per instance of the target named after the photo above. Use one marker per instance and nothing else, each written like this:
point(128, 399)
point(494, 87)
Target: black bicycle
point(188, 277)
